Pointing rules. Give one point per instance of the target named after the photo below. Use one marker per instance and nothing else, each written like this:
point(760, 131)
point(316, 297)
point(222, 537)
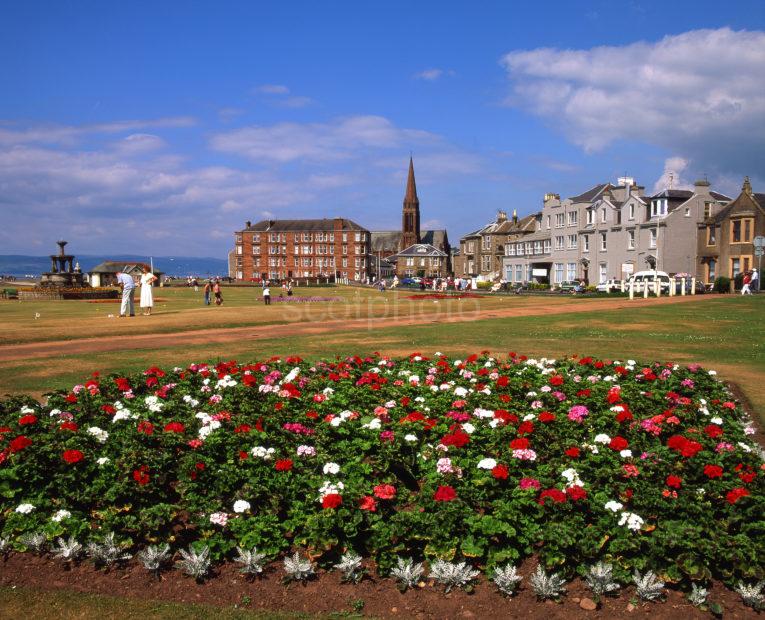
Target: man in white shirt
point(128, 286)
point(754, 285)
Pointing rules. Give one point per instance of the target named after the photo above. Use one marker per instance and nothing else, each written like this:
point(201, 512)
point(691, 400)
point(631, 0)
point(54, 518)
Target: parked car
point(700, 286)
point(649, 278)
point(609, 286)
point(568, 285)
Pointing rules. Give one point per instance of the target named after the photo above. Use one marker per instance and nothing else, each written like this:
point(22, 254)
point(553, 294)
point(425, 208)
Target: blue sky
point(159, 127)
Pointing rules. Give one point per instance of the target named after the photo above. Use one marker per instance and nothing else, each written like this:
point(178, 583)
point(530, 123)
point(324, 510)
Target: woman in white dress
point(147, 298)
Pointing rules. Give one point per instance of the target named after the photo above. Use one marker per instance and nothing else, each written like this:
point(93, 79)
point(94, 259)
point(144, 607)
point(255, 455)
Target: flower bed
point(445, 296)
point(486, 461)
point(301, 300)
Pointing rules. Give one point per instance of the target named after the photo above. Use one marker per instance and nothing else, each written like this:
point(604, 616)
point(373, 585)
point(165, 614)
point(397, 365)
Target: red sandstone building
point(286, 249)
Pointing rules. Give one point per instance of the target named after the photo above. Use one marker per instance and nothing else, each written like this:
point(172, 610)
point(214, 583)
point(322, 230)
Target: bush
point(721, 285)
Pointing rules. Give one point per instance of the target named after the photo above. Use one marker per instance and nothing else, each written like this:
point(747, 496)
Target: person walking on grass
point(208, 290)
point(147, 297)
point(125, 281)
point(267, 295)
point(217, 293)
point(745, 290)
point(754, 285)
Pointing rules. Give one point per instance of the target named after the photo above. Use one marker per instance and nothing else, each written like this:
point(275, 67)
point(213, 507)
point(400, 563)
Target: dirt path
point(54, 348)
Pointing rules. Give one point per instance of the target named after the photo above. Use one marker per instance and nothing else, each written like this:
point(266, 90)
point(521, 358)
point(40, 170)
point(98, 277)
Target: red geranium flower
point(385, 491)
point(502, 381)
point(736, 494)
point(520, 444)
point(283, 465)
point(243, 428)
point(500, 472)
point(618, 443)
point(458, 439)
point(174, 427)
point(145, 427)
point(576, 492)
point(573, 452)
point(712, 431)
point(557, 496)
point(674, 481)
point(546, 416)
point(713, 471)
point(73, 456)
point(27, 419)
point(333, 500)
point(141, 475)
point(556, 380)
point(747, 477)
point(108, 409)
point(19, 443)
point(445, 494)
point(68, 426)
point(525, 428)
point(368, 503)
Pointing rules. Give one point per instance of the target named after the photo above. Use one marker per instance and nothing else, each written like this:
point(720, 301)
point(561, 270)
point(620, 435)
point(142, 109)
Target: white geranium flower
point(487, 463)
point(100, 434)
point(410, 438)
point(716, 420)
point(102, 461)
point(372, 424)
point(468, 428)
point(712, 372)
point(241, 505)
point(614, 506)
point(625, 454)
point(61, 515)
point(602, 438)
point(262, 453)
point(460, 391)
point(631, 520)
point(331, 468)
point(25, 509)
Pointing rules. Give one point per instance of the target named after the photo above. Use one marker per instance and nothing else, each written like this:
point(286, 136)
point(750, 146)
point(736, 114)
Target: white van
point(642, 278)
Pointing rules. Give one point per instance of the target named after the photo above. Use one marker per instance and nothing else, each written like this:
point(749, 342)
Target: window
point(603, 214)
point(559, 242)
point(306, 236)
point(239, 249)
point(687, 212)
point(547, 246)
point(538, 247)
point(570, 271)
point(573, 218)
point(619, 217)
point(471, 247)
point(735, 231)
point(345, 262)
point(410, 261)
point(735, 267)
point(256, 238)
point(486, 242)
point(632, 211)
point(485, 263)
point(345, 249)
point(603, 245)
point(519, 273)
point(558, 272)
point(741, 230)
point(237, 238)
point(510, 249)
point(273, 249)
point(585, 243)
point(590, 216)
point(548, 222)
point(711, 270)
point(358, 237)
point(707, 210)
point(630, 239)
point(560, 220)
point(273, 237)
point(652, 238)
point(345, 237)
point(572, 242)
point(256, 249)
point(712, 235)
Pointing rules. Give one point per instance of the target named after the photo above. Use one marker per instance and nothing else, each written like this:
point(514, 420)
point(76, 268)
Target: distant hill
point(19, 265)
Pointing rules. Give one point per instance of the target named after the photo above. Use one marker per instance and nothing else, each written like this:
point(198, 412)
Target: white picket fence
point(654, 288)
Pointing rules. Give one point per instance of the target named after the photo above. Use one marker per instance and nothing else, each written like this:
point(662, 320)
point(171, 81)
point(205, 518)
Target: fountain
point(63, 270)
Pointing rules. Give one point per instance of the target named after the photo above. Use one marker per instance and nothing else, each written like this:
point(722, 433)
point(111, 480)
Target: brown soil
point(326, 594)
point(234, 334)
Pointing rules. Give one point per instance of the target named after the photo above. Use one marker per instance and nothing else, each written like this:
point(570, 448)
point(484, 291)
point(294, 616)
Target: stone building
point(285, 249)
point(725, 238)
point(389, 243)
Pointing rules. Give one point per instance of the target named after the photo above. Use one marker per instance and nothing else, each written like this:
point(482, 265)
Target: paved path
point(55, 348)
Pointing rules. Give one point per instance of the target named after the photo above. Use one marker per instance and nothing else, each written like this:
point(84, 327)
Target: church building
point(414, 252)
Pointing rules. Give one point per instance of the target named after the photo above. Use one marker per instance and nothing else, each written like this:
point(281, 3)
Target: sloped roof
point(592, 193)
point(385, 240)
point(756, 200)
point(424, 250)
point(437, 238)
point(115, 266)
point(322, 225)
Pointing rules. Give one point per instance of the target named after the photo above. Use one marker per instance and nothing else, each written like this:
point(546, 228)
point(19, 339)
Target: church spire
point(410, 220)
point(411, 186)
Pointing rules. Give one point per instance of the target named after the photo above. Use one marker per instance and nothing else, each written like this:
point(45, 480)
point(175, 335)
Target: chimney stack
point(247, 224)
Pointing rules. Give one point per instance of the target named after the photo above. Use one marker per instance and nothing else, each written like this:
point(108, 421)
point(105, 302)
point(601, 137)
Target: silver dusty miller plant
point(107, 552)
point(154, 557)
point(649, 586)
point(507, 579)
point(452, 574)
point(600, 578)
point(297, 568)
point(67, 550)
point(251, 561)
point(35, 542)
point(350, 565)
point(194, 563)
point(752, 594)
point(4, 546)
point(407, 573)
point(547, 586)
point(698, 595)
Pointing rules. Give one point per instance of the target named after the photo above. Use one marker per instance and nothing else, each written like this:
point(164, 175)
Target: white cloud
point(296, 102)
point(139, 143)
point(317, 142)
point(431, 75)
point(273, 89)
point(698, 94)
point(672, 175)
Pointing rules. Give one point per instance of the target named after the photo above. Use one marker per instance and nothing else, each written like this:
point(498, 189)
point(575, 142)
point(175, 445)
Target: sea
point(21, 266)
